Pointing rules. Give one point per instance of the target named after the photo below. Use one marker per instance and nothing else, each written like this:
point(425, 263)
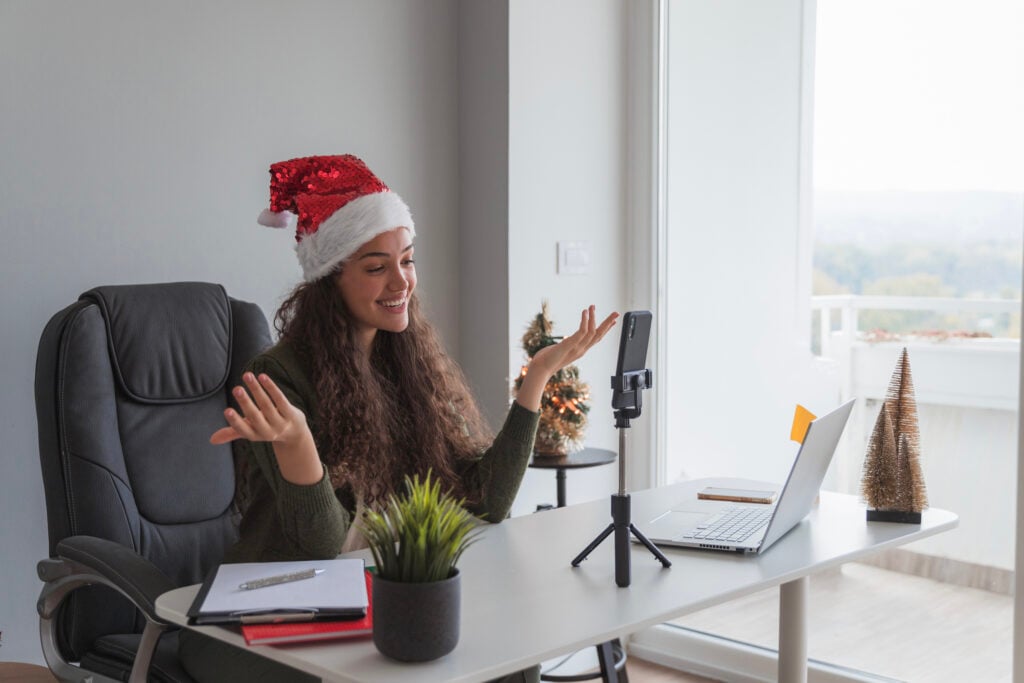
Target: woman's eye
point(408, 262)
point(375, 269)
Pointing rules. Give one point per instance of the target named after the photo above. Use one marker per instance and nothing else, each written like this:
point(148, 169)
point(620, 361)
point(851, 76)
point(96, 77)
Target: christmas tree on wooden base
point(563, 407)
point(893, 484)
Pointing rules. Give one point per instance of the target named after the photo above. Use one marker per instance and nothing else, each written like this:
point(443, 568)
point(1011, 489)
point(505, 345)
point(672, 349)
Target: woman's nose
point(398, 282)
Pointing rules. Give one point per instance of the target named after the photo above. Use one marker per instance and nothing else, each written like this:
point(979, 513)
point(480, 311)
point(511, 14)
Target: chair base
point(611, 657)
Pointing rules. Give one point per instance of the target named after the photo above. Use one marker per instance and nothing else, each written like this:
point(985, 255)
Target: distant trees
point(981, 270)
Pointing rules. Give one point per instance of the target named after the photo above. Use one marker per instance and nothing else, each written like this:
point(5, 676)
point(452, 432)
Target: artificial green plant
point(420, 535)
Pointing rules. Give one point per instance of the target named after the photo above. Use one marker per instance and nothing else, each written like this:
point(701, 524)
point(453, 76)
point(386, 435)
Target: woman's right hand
point(267, 415)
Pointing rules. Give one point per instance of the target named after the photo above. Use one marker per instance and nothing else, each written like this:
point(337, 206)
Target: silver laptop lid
point(807, 473)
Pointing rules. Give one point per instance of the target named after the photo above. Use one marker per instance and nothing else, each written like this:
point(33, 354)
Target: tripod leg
point(593, 544)
point(650, 546)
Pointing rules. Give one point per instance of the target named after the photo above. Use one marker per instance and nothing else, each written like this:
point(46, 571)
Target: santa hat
point(337, 204)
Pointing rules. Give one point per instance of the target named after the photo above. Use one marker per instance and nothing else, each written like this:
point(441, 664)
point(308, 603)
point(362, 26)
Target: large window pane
point(915, 241)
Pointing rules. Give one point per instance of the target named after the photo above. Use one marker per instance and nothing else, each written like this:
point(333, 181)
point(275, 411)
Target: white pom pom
point(273, 219)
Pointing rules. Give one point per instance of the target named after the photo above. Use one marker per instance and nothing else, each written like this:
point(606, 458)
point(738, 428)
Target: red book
point(305, 631)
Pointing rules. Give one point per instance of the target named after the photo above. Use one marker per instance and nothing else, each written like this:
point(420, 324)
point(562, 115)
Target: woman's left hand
point(551, 359)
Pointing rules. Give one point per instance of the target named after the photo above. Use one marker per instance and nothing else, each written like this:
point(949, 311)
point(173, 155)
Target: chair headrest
point(169, 343)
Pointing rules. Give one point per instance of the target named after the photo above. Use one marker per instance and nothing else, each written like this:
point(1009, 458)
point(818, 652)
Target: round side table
point(588, 457)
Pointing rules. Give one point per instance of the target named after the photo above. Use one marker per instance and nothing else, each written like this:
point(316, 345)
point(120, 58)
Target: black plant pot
point(416, 622)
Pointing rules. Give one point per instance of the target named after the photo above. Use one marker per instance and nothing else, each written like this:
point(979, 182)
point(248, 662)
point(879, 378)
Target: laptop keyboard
point(733, 524)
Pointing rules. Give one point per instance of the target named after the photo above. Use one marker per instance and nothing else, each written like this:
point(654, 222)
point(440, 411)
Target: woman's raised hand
point(551, 359)
point(266, 414)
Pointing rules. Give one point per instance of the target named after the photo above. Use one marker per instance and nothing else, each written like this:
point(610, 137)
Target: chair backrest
point(130, 383)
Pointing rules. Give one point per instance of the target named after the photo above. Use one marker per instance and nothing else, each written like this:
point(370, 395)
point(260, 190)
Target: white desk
point(522, 603)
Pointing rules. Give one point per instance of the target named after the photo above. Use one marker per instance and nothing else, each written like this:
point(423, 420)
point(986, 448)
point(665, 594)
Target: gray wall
point(134, 144)
point(483, 201)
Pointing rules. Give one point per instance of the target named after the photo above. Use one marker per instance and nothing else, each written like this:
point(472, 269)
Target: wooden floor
point(16, 672)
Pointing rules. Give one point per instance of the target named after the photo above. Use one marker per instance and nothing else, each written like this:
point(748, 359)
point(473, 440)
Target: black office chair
point(130, 383)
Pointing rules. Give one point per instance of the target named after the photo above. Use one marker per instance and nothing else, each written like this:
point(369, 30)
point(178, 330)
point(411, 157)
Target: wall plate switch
point(573, 258)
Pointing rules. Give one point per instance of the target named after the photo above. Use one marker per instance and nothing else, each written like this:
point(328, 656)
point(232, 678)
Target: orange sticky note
point(801, 421)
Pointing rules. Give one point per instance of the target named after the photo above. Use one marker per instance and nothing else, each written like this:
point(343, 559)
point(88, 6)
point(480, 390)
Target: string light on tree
point(563, 406)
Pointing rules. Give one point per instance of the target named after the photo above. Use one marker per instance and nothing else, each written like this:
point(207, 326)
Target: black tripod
point(627, 402)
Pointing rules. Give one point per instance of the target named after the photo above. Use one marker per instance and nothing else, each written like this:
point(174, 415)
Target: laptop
point(752, 528)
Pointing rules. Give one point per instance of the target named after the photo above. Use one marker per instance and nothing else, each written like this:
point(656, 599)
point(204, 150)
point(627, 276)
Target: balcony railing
point(954, 371)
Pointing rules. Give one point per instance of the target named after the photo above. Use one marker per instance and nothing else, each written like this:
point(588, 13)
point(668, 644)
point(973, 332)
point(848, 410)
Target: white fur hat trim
point(349, 228)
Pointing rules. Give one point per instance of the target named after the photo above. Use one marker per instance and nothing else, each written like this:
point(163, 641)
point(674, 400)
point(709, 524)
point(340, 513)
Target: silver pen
point(280, 578)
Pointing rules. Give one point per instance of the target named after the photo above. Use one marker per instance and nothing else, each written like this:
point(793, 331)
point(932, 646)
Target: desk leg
point(793, 630)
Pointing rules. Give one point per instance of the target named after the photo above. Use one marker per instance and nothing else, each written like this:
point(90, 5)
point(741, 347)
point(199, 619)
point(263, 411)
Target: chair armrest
point(87, 560)
point(95, 560)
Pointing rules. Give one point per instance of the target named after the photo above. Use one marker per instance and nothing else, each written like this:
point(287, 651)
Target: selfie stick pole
point(627, 402)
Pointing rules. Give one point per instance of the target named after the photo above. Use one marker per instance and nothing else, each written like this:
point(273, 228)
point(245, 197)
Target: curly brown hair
point(404, 409)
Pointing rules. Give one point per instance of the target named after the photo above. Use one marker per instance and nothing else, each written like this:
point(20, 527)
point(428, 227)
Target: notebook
point(339, 591)
point(753, 528)
point(291, 632)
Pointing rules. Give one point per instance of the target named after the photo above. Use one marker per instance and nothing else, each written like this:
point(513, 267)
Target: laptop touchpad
point(678, 521)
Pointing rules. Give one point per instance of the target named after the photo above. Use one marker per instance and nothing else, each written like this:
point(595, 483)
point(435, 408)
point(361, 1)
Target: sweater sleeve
point(307, 521)
point(498, 473)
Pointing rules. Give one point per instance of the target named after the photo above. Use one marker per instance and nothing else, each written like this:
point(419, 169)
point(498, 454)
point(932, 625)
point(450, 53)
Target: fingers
point(254, 418)
point(240, 426)
point(264, 409)
point(224, 435)
point(588, 334)
point(271, 402)
point(276, 395)
point(605, 326)
point(594, 332)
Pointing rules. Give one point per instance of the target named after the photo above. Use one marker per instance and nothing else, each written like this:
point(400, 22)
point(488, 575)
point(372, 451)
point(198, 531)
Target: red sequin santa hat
point(340, 204)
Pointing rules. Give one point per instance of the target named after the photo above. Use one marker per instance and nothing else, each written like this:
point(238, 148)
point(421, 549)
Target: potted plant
point(416, 541)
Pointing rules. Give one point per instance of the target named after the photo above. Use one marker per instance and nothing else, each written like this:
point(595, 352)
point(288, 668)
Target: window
point(911, 111)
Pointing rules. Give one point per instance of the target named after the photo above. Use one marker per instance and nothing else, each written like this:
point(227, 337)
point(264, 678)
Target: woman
point(358, 393)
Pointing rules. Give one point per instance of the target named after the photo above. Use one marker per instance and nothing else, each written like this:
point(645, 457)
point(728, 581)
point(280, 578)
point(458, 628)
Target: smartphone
point(736, 495)
point(636, 333)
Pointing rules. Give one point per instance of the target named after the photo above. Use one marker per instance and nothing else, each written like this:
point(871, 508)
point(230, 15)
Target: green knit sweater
point(286, 521)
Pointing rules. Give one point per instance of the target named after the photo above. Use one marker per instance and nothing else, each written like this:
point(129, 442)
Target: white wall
point(738, 356)
point(135, 138)
point(567, 182)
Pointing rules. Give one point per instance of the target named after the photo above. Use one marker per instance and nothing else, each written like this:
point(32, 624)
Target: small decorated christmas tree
point(893, 484)
point(563, 407)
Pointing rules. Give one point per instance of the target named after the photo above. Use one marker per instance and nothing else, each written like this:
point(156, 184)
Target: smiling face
point(376, 282)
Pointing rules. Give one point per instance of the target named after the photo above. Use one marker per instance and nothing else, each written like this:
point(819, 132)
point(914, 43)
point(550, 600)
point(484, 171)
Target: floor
point(638, 671)
point(647, 672)
point(15, 672)
point(897, 625)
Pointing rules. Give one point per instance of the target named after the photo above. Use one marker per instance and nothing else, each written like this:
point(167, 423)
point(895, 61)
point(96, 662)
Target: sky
point(919, 95)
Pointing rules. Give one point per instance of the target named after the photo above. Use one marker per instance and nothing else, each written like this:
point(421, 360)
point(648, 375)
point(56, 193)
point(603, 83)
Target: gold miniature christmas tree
point(563, 407)
point(893, 484)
